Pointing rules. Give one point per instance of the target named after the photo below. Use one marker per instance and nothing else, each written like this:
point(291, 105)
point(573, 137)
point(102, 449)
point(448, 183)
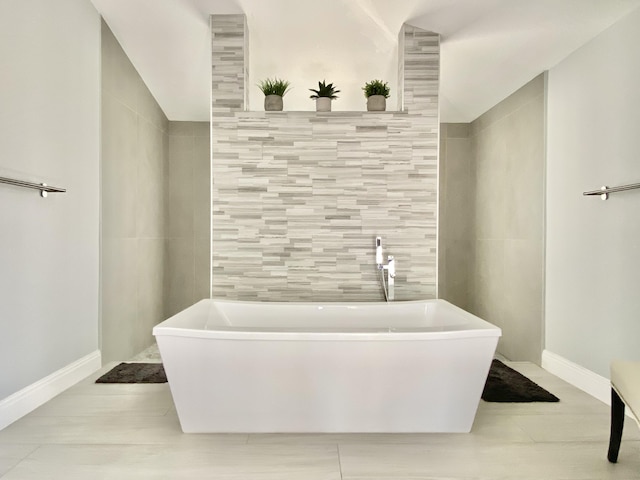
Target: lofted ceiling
point(489, 48)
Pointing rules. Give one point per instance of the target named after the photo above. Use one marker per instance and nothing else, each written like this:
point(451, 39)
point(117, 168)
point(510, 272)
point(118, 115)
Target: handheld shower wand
point(379, 259)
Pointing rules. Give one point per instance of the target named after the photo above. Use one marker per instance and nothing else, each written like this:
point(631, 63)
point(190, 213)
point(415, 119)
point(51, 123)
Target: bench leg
point(617, 423)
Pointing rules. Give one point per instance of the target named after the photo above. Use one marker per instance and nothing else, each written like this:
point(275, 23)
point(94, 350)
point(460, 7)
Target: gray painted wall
point(135, 186)
point(593, 247)
point(507, 276)
point(189, 243)
point(298, 197)
point(49, 132)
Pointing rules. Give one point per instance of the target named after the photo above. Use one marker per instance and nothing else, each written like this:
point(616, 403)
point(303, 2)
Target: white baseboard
point(31, 397)
point(595, 385)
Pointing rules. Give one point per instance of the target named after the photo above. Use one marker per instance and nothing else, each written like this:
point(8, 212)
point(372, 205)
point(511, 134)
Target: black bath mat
point(505, 385)
point(135, 373)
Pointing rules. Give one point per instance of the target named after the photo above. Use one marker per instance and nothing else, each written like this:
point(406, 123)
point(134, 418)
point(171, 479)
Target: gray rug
point(135, 373)
point(505, 385)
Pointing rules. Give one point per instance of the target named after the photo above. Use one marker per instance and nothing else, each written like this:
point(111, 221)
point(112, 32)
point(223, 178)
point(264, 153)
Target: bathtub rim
point(481, 329)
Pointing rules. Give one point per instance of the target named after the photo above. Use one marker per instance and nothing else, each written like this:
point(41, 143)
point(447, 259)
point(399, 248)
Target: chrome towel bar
point(605, 191)
point(43, 187)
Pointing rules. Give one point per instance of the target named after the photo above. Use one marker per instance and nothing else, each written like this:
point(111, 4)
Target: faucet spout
point(390, 267)
point(391, 275)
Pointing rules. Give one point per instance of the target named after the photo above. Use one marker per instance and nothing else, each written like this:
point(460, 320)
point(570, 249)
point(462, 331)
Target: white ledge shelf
point(332, 113)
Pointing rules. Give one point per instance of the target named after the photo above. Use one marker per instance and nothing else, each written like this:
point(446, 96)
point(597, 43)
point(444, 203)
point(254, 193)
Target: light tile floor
point(132, 432)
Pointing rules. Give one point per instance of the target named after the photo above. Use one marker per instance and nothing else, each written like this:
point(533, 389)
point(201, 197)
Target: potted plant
point(323, 96)
point(377, 93)
point(273, 89)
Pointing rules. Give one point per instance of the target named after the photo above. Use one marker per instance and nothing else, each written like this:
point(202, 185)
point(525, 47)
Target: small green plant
point(324, 90)
point(274, 86)
point(376, 87)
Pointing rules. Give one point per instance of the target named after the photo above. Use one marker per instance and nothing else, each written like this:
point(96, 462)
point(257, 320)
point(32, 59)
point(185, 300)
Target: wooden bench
point(625, 390)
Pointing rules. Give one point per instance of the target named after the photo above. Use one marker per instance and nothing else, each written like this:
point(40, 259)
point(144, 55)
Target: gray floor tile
point(572, 428)
point(11, 455)
point(18, 451)
point(486, 429)
point(64, 462)
point(107, 430)
point(128, 404)
point(586, 461)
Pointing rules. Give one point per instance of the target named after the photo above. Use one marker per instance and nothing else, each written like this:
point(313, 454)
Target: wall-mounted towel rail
point(43, 187)
point(605, 191)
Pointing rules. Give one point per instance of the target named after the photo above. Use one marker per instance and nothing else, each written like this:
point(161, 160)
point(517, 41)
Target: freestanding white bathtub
point(416, 366)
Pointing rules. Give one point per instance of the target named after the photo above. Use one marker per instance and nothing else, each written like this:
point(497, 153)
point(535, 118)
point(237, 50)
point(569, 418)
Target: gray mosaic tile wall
point(229, 65)
point(299, 197)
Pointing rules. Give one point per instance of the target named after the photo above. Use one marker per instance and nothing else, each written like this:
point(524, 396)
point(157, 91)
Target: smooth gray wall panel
point(189, 242)
point(299, 197)
point(134, 178)
point(507, 277)
point(456, 213)
point(492, 218)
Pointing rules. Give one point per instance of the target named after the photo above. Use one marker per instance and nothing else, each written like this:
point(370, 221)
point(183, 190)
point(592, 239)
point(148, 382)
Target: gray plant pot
point(376, 103)
point(323, 104)
point(273, 103)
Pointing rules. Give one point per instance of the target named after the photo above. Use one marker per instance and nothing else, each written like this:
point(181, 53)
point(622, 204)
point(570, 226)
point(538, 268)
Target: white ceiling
point(490, 48)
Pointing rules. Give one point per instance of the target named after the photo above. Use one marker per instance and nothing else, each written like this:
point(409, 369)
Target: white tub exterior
point(354, 367)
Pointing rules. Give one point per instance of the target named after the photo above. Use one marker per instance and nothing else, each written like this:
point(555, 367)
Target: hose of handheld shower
point(384, 285)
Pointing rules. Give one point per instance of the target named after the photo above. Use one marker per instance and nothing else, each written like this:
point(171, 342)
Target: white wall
point(49, 132)
point(361, 45)
point(593, 247)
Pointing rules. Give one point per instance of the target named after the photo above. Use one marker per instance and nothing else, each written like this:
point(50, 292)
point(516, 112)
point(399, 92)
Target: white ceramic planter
point(273, 103)
point(323, 104)
point(376, 103)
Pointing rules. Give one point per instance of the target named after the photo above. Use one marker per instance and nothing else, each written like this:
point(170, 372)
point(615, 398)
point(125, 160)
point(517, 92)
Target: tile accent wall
point(299, 197)
point(229, 63)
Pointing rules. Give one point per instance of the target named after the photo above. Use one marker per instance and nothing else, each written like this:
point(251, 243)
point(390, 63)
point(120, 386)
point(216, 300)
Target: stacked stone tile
point(299, 197)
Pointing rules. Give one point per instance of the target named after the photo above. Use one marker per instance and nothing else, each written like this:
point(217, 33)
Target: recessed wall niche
point(299, 197)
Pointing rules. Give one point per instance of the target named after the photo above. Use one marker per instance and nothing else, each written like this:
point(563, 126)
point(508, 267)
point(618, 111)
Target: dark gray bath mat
point(135, 373)
point(505, 385)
